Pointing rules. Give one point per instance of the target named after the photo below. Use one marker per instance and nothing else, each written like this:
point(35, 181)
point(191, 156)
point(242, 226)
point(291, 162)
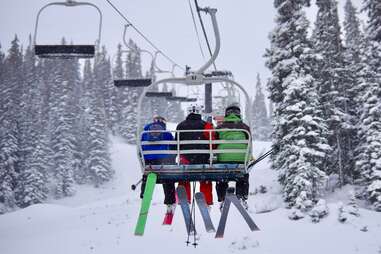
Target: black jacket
point(193, 122)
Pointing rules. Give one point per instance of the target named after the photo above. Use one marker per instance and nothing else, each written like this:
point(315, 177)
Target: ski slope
point(102, 221)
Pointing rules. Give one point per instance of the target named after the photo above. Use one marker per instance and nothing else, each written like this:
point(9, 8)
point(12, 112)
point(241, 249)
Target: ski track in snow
point(102, 221)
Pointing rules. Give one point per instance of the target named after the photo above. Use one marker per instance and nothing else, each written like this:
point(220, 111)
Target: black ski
point(224, 216)
point(182, 195)
point(201, 202)
point(232, 198)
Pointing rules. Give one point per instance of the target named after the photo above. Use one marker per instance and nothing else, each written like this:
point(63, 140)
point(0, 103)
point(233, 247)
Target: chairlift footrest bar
point(64, 51)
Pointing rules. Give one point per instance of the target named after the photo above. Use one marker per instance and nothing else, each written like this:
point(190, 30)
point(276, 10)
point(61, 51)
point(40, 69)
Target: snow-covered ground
point(102, 221)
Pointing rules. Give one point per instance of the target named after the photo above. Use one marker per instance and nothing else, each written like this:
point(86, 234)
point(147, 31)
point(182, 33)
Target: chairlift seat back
point(137, 82)
point(64, 51)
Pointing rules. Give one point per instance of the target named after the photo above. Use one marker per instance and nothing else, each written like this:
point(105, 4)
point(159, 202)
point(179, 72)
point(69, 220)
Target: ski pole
point(260, 158)
point(133, 187)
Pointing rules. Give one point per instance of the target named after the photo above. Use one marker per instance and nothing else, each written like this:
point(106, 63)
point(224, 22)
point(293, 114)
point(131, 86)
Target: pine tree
point(103, 79)
point(130, 95)
point(299, 131)
point(165, 103)
point(2, 57)
point(333, 89)
point(34, 188)
point(119, 93)
point(98, 161)
point(354, 41)
point(9, 126)
point(32, 179)
point(84, 137)
point(260, 120)
point(175, 112)
point(369, 150)
point(62, 79)
point(373, 9)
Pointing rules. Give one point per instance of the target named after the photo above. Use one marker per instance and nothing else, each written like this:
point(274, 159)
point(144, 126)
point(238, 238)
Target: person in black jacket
point(194, 122)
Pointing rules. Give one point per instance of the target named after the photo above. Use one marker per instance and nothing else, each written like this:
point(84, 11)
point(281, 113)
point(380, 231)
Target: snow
point(102, 220)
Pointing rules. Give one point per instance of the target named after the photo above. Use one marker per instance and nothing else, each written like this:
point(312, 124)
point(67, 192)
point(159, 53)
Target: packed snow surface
point(102, 221)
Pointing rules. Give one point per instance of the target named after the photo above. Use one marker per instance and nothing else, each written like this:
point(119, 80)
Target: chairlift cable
point(142, 35)
point(196, 30)
point(204, 31)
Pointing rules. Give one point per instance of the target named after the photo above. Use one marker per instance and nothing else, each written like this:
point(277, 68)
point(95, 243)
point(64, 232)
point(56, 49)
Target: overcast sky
point(244, 27)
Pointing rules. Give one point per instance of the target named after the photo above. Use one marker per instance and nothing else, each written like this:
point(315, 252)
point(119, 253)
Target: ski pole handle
point(133, 187)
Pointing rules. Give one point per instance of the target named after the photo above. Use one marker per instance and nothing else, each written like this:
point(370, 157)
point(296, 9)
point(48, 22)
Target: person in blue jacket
point(159, 124)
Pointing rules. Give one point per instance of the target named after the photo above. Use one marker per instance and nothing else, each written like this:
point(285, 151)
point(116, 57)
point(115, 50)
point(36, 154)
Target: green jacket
point(232, 121)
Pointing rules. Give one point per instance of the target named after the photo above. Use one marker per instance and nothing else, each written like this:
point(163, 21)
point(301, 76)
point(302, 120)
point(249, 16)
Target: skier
point(159, 124)
point(233, 120)
point(194, 122)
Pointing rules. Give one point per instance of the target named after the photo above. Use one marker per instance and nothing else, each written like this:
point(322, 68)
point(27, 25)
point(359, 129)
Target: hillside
point(102, 221)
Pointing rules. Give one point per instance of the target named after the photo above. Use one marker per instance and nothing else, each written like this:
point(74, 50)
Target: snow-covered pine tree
point(260, 121)
point(299, 133)
point(175, 112)
point(103, 80)
point(373, 9)
point(62, 80)
point(271, 104)
point(32, 180)
point(369, 151)
point(333, 89)
point(98, 161)
point(2, 57)
point(119, 93)
point(165, 104)
point(9, 126)
point(354, 41)
point(130, 95)
point(62, 143)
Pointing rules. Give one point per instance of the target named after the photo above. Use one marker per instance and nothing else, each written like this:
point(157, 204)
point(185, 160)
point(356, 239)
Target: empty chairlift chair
point(67, 51)
point(127, 81)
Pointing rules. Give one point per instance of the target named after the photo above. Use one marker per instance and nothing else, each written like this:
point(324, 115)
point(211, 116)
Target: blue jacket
point(157, 137)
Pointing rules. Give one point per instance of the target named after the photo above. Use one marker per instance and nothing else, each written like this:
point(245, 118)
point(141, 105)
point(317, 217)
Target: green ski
point(146, 202)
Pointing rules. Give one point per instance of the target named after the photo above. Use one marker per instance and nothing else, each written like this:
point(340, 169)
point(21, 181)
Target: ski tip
point(219, 236)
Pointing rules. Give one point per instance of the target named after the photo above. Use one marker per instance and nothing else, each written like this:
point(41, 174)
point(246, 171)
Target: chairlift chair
point(67, 51)
point(212, 171)
point(127, 81)
point(140, 82)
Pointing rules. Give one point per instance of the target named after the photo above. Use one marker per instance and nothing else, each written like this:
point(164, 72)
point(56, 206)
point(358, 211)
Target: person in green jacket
point(233, 120)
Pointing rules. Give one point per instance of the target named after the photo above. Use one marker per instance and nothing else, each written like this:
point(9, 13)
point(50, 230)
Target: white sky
point(244, 27)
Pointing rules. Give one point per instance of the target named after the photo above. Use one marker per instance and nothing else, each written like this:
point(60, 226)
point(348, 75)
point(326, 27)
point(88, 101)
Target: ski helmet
point(233, 109)
point(195, 109)
point(159, 119)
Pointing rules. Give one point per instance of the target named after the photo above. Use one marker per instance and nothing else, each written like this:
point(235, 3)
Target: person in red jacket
point(194, 122)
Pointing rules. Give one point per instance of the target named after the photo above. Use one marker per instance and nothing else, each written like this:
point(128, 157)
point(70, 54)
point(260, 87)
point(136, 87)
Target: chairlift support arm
point(212, 13)
point(153, 56)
